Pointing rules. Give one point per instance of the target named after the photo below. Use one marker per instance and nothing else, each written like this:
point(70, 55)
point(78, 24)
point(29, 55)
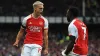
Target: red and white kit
point(34, 35)
point(78, 29)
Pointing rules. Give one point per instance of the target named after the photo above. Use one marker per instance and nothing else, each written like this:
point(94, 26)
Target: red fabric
point(81, 45)
point(34, 31)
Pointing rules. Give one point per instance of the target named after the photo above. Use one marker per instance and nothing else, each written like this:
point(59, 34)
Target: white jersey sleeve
point(24, 21)
point(72, 30)
point(45, 23)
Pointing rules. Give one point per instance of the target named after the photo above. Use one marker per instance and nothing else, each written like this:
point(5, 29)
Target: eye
point(40, 8)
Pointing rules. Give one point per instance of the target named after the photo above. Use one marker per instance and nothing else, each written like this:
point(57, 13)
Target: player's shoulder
point(42, 17)
point(79, 22)
point(27, 17)
point(25, 20)
point(72, 23)
point(71, 26)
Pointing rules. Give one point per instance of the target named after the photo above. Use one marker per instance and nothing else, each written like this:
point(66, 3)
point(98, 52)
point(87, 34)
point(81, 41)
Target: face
point(68, 15)
point(39, 9)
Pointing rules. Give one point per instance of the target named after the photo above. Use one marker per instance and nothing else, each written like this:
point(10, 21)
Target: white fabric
point(45, 22)
point(31, 50)
point(63, 53)
point(25, 20)
point(72, 30)
point(71, 54)
point(74, 54)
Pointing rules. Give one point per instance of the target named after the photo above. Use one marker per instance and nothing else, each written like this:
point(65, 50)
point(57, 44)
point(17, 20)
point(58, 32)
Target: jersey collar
point(34, 17)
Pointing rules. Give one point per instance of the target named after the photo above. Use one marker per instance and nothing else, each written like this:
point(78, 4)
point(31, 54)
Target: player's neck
point(71, 18)
point(75, 18)
point(35, 15)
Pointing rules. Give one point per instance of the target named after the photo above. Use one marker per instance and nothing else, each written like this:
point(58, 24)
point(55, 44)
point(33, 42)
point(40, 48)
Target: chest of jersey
point(35, 25)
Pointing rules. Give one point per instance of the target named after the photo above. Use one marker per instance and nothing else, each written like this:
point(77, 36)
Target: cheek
point(41, 10)
point(37, 10)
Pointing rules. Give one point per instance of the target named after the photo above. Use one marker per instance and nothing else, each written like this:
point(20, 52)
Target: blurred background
point(12, 13)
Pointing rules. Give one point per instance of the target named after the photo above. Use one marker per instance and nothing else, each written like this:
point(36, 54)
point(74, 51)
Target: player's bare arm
point(46, 41)
point(70, 45)
point(19, 36)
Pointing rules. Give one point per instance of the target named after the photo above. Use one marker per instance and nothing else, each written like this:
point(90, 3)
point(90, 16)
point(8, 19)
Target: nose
point(41, 10)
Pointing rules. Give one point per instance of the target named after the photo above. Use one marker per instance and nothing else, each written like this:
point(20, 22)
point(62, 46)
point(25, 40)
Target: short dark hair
point(74, 11)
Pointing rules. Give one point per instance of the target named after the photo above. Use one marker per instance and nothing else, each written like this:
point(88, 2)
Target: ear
point(34, 8)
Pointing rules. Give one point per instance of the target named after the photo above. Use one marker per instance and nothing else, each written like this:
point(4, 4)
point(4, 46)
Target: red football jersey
point(78, 29)
point(34, 29)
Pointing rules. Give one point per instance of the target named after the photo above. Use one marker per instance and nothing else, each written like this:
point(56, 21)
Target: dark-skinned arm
point(70, 45)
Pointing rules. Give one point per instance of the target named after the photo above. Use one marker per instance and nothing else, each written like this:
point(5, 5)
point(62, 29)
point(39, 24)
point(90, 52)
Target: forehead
point(40, 6)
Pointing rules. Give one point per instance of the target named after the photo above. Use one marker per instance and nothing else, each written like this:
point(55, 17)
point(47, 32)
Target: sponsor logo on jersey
point(35, 28)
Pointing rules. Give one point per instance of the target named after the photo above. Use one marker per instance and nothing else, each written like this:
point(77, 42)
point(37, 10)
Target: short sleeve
point(24, 21)
point(45, 24)
point(72, 30)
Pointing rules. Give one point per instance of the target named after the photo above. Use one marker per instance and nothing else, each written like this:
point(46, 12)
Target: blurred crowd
point(57, 42)
point(52, 7)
